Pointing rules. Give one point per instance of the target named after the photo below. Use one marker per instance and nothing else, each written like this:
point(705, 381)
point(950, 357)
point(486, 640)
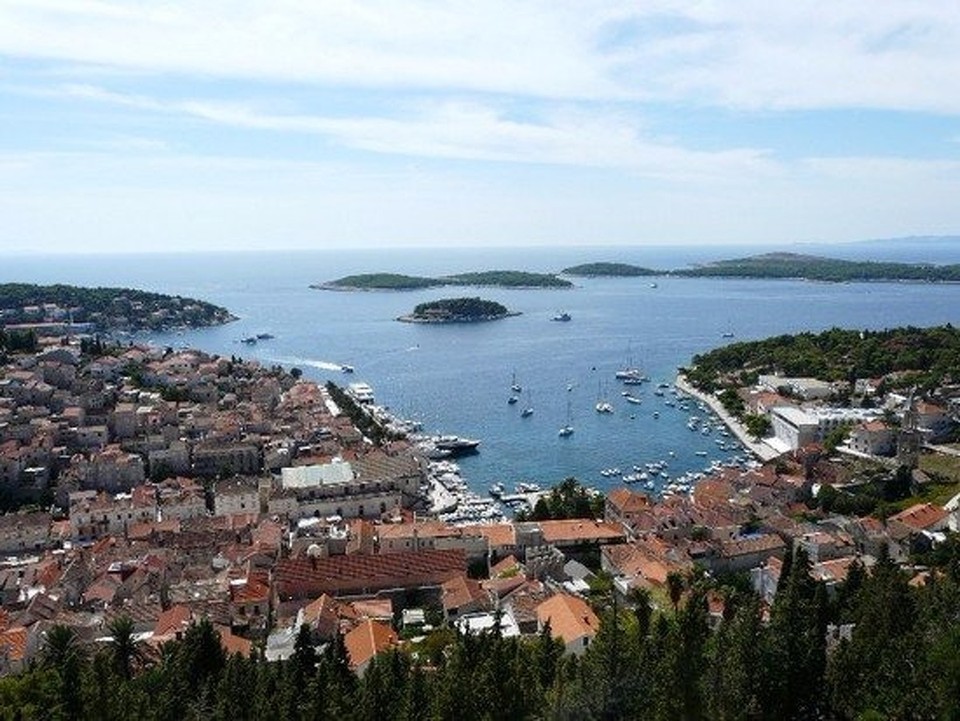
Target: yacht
point(456, 445)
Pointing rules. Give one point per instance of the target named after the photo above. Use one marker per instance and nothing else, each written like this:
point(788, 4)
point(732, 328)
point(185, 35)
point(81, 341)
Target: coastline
point(760, 449)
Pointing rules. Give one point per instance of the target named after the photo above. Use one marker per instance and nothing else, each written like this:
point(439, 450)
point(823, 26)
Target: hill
point(924, 357)
point(105, 309)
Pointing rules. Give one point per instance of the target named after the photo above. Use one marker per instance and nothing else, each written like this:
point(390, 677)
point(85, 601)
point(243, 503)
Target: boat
point(512, 399)
point(528, 408)
point(456, 445)
point(603, 407)
point(497, 489)
point(249, 340)
point(346, 368)
point(728, 334)
point(562, 317)
point(265, 336)
point(567, 430)
point(630, 398)
point(514, 386)
point(653, 285)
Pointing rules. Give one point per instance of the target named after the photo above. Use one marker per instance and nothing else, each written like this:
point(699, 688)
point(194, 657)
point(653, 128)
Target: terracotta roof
point(172, 621)
point(375, 608)
point(570, 618)
point(505, 566)
point(310, 577)
point(920, 516)
point(13, 643)
point(751, 544)
point(499, 535)
point(233, 644)
point(254, 589)
point(627, 501)
point(367, 640)
point(578, 530)
point(461, 591)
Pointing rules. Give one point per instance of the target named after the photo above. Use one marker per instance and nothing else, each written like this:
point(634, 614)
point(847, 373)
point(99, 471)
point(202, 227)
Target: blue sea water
point(456, 378)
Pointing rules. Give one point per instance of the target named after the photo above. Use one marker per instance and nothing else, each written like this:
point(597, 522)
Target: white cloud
point(749, 53)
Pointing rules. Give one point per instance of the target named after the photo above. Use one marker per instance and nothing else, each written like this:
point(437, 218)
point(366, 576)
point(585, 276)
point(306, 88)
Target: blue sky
point(334, 123)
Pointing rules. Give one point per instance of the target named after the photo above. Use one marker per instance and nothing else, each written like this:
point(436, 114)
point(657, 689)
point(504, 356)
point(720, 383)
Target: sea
point(455, 379)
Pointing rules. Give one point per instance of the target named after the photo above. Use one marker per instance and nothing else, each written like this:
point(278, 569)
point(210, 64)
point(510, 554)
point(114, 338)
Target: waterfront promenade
point(760, 449)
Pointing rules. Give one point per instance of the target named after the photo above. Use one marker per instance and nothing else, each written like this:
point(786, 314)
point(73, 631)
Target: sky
point(175, 125)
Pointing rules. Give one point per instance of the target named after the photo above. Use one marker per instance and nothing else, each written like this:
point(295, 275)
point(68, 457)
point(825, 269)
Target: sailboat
point(527, 409)
point(567, 430)
point(603, 405)
point(514, 386)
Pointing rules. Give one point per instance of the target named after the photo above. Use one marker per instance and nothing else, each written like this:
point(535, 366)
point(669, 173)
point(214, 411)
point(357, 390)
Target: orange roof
point(461, 591)
point(367, 640)
point(570, 617)
point(233, 644)
point(627, 501)
point(579, 529)
point(172, 621)
point(13, 643)
point(506, 566)
point(499, 534)
point(920, 516)
point(375, 608)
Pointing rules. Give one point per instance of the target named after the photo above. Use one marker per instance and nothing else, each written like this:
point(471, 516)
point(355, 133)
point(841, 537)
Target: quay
point(758, 448)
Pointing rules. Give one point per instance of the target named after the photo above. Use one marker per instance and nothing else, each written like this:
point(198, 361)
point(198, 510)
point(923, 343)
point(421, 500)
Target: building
point(570, 619)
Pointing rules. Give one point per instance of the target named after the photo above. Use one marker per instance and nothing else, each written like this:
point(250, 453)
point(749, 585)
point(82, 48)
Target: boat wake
point(308, 362)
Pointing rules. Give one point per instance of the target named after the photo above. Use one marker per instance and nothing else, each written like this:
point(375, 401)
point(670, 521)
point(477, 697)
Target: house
point(570, 619)
point(623, 506)
point(367, 640)
point(875, 438)
point(461, 595)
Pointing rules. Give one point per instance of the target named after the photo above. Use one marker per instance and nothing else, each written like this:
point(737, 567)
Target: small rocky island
point(457, 310)
point(609, 270)
point(103, 309)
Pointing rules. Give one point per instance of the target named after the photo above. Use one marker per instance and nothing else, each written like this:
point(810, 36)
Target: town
point(168, 486)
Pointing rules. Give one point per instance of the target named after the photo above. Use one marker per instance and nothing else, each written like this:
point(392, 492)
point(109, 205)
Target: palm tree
point(124, 645)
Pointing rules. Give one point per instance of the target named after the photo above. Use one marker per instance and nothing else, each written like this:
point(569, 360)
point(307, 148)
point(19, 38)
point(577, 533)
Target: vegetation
point(396, 281)
point(810, 267)
point(924, 357)
point(569, 499)
point(898, 660)
point(508, 279)
point(381, 281)
point(618, 270)
point(457, 310)
point(107, 308)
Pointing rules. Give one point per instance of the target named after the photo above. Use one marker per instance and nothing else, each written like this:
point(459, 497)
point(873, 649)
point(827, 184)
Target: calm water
point(456, 378)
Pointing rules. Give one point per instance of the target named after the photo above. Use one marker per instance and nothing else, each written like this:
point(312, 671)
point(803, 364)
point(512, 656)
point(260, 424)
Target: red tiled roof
point(570, 617)
point(920, 516)
point(13, 643)
point(171, 621)
point(367, 640)
point(310, 577)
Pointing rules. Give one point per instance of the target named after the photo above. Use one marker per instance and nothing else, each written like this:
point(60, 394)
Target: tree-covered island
point(104, 309)
point(811, 267)
point(611, 270)
point(488, 278)
point(457, 310)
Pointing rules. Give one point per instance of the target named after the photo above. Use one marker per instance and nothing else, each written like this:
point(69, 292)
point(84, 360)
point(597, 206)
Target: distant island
point(104, 309)
point(812, 267)
point(613, 270)
point(489, 278)
point(457, 310)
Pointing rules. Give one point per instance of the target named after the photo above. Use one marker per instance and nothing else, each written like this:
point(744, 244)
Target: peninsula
point(488, 278)
point(27, 306)
point(457, 310)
